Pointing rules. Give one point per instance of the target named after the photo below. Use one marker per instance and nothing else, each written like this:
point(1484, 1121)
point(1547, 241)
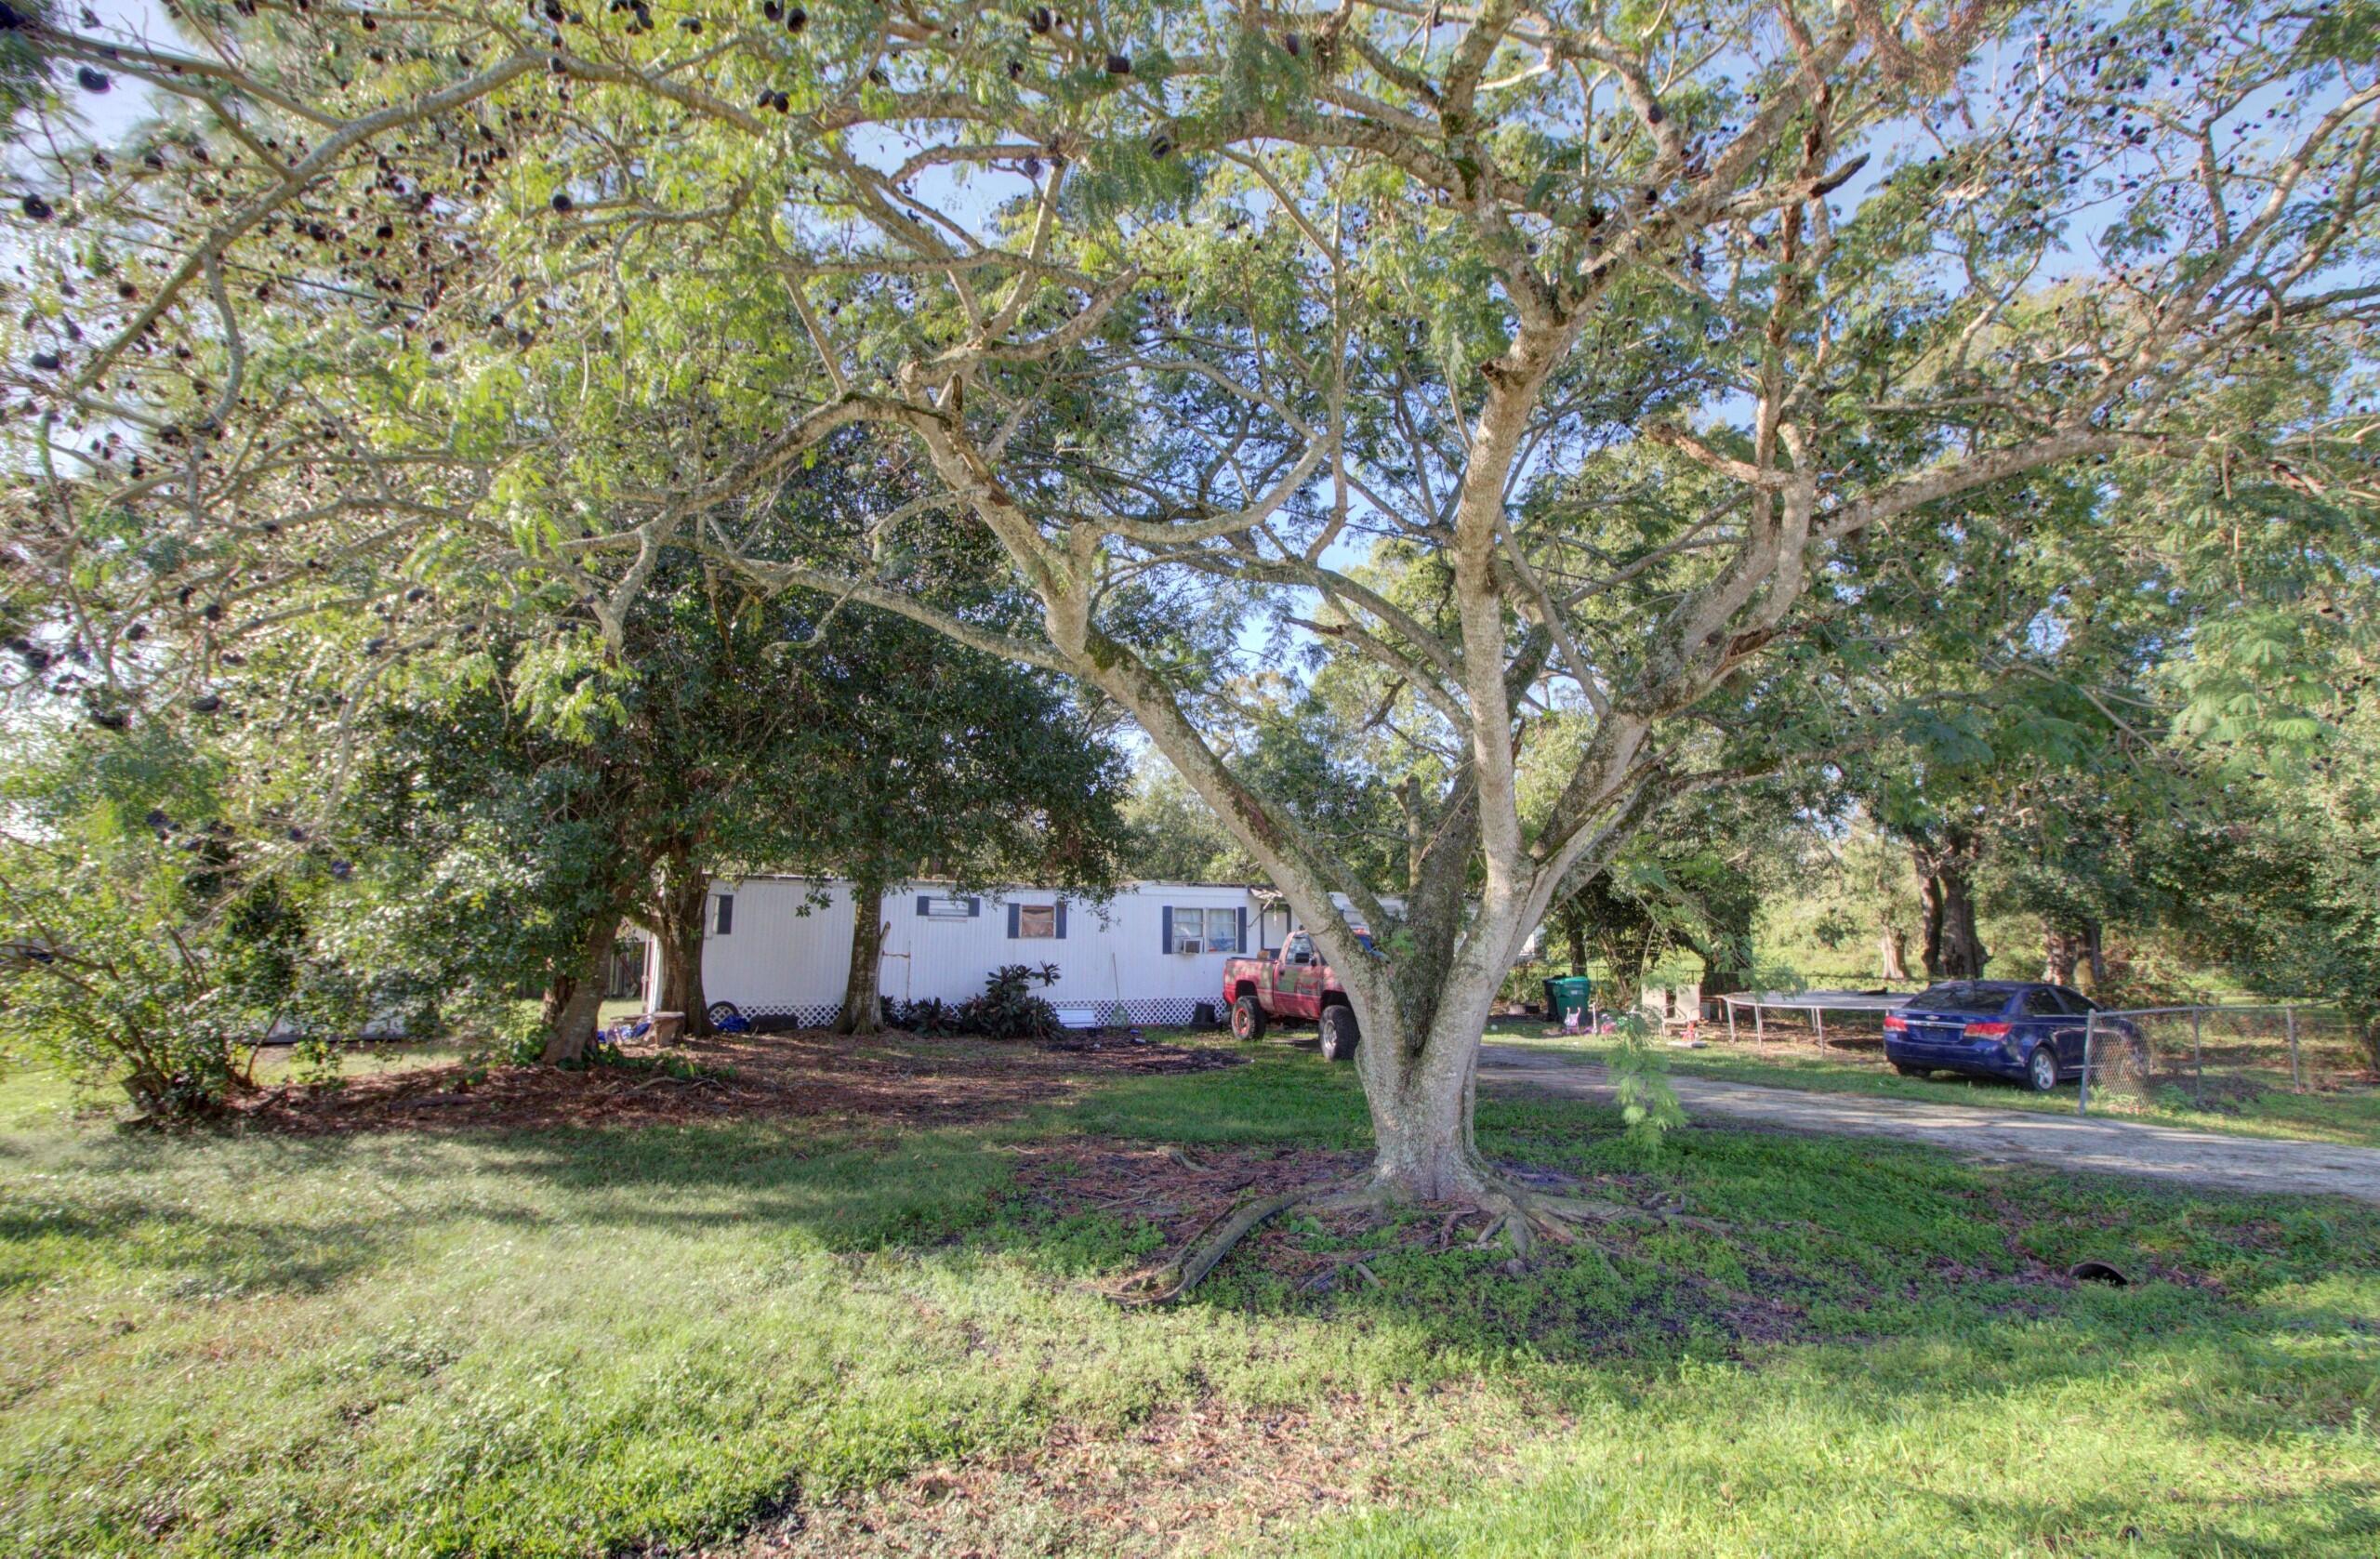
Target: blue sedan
point(2025, 1031)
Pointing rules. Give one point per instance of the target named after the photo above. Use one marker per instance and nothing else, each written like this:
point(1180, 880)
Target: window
point(1299, 949)
point(1961, 996)
point(1038, 921)
point(1202, 930)
point(726, 919)
point(944, 908)
point(2044, 1003)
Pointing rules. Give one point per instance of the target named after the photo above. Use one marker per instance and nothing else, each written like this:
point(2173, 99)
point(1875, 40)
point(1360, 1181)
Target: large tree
point(1631, 342)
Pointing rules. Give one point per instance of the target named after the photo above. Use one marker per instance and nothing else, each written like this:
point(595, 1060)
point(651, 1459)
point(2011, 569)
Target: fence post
point(1817, 1021)
point(2198, 1055)
point(2296, 1075)
point(2082, 1084)
point(1759, 1030)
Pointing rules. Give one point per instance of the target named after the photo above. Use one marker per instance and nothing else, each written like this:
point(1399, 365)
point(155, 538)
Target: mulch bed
point(893, 1078)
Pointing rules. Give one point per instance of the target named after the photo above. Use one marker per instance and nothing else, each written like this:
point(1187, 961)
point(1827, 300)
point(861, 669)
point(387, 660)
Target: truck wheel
point(1339, 1034)
point(1248, 1020)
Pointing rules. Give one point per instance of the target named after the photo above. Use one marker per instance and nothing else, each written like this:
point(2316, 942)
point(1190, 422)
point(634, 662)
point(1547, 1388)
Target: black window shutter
point(975, 908)
point(924, 900)
point(1239, 943)
point(726, 913)
point(1165, 930)
point(1062, 919)
point(1011, 920)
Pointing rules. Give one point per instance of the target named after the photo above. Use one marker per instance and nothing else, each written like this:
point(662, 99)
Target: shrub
point(1009, 1009)
point(139, 945)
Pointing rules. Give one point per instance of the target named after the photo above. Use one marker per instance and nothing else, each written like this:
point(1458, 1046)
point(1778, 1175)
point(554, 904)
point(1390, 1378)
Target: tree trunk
point(1577, 947)
point(1421, 1107)
point(862, 1000)
point(574, 1000)
point(1892, 952)
point(681, 900)
point(2096, 952)
point(1953, 950)
point(1421, 1096)
point(2063, 949)
point(1726, 954)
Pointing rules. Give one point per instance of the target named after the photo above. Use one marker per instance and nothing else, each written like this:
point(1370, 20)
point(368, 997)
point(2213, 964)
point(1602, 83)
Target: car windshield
point(1959, 996)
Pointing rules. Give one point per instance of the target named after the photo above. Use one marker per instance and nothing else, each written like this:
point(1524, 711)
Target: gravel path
point(2201, 1160)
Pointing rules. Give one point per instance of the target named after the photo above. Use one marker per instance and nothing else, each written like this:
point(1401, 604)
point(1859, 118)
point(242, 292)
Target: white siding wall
point(786, 952)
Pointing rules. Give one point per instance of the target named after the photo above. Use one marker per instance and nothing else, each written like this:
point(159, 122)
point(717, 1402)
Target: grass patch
point(2348, 1114)
point(592, 1341)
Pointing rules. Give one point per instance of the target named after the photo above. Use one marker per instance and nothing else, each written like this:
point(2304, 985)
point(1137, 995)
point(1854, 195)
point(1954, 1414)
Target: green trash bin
point(1567, 995)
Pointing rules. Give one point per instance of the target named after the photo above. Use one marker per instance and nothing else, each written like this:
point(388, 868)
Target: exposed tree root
point(1518, 1211)
point(1214, 1243)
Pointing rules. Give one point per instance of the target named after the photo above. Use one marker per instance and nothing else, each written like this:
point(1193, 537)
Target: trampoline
point(1814, 1005)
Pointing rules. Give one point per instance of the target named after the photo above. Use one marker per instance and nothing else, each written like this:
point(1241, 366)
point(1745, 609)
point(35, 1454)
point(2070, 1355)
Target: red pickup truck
point(1293, 984)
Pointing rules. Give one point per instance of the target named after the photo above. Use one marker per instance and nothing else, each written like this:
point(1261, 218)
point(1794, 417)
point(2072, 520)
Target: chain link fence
point(2206, 1058)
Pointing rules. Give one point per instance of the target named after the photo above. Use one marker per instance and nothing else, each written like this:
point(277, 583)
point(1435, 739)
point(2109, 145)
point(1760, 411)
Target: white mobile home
point(778, 947)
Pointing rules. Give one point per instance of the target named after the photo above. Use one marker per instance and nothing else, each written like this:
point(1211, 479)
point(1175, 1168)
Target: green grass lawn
point(614, 1342)
point(2349, 1114)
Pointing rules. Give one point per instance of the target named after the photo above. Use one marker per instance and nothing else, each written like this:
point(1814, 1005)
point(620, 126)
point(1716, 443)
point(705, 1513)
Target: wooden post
point(1729, 1002)
point(2198, 1054)
point(2296, 1074)
point(1817, 1021)
point(1759, 1030)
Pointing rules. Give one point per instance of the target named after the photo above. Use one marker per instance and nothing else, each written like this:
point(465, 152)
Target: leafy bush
point(141, 944)
point(1009, 1009)
point(931, 1017)
point(1640, 1081)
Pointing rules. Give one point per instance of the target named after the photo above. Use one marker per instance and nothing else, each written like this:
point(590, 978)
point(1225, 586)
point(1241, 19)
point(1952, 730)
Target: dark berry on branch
point(92, 80)
point(37, 208)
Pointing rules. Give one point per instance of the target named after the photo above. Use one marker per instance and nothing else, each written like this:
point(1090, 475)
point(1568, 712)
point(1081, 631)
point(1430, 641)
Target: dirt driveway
point(2202, 1160)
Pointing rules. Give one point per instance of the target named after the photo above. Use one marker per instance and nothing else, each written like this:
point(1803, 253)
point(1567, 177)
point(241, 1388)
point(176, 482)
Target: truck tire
point(1339, 1034)
point(1248, 1020)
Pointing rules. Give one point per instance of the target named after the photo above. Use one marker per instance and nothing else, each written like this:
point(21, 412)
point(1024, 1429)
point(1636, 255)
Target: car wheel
point(1248, 1020)
point(1339, 1034)
point(1906, 1070)
point(2041, 1068)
